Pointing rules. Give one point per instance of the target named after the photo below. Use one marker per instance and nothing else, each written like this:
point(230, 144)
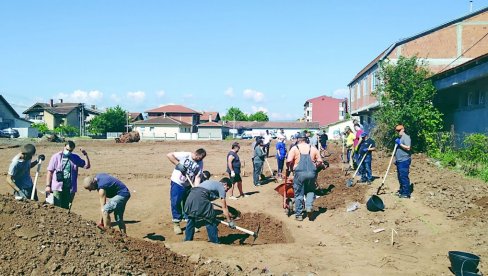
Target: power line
point(479, 40)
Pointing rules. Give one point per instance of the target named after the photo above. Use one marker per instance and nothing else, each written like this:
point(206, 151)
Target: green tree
point(66, 130)
point(41, 127)
point(112, 120)
point(235, 114)
point(259, 116)
point(406, 94)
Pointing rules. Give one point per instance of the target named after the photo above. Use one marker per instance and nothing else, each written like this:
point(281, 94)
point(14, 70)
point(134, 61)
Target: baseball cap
point(399, 127)
point(364, 134)
point(29, 149)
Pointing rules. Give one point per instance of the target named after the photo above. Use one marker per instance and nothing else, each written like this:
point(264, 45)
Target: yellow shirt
point(350, 139)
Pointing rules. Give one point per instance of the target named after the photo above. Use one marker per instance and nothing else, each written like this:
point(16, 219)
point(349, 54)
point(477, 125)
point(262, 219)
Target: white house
point(164, 128)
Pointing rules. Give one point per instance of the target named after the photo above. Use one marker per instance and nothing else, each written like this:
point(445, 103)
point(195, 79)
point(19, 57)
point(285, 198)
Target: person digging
point(199, 208)
point(117, 193)
point(18, 176)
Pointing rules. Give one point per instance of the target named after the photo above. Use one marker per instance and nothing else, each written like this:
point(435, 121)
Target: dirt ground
point(446, 212)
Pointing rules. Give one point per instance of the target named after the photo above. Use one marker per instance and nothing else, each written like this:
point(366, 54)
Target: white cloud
point(80, 96)
point(137, 96)
point(161, 93)
point(254, 95)
point(341, 93)
point(229, 92)
point(166, 104)
point(258, 108)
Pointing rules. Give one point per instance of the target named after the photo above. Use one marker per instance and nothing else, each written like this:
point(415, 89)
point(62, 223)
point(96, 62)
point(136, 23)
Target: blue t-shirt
point(281, 148)
point(215, 188)
point(111, 185)
point(20, 170)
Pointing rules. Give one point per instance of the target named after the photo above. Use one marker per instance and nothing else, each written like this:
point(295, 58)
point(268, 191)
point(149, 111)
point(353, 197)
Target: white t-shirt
point(193, 169)
point(267, 139)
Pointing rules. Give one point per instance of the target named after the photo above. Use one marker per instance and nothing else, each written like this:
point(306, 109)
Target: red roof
point(161, 121)
point(272, 125)
point(324, 96)
point(212, 124)
point(206, 114)
point(174, 108)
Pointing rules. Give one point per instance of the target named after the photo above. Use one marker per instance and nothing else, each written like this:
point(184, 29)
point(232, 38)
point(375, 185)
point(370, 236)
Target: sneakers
point(233, 197)
point(177, 228)
point(243, 195)
point(299, 218)
point(403, 196)
point(197, 229)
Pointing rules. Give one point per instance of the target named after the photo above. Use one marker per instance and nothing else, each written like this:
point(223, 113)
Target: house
point(442, 47)
point(9, 118)
point(259, 128)
point(56, 114)
point(462, 94)
point(178, 112)
point(209, 116)
point(164, 128)
point(325, 110)
point(212, 131)
point(135, 116)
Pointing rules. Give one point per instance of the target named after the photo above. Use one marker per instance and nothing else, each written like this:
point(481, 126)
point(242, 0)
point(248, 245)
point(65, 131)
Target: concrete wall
point(471, 121)
point(325, 110)
point(210, 133)
point(73, 119)
point(334, 130)
point(27, 132)
point(159, 132)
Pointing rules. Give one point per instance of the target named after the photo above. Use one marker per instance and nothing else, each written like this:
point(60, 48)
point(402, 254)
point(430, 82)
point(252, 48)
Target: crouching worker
point(112, 188)
point(199, 208)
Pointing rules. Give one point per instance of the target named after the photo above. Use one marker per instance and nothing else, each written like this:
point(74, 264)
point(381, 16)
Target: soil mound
point(40, 239)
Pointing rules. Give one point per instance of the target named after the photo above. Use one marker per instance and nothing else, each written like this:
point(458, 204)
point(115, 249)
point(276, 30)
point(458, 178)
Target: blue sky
point(207, 55)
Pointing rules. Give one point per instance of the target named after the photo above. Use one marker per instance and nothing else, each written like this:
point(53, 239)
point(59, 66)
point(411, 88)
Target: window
point(365, 86)
point(151, 128)
point(482, 97)
point(358, 90)
point(374, 81)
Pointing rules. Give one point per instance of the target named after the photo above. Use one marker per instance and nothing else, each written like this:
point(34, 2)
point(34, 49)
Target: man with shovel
point(199, 208)
point(303, 160)
point(62, 174)
point(189, 166)
point(18, 176)
point(403, 161)
point(366, 147)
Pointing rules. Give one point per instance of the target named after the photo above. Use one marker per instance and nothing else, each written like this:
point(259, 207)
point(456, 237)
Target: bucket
point(463, 262)
point(375, 204)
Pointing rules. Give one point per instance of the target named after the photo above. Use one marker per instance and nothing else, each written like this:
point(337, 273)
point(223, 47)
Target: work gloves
point(232, 174)
point(181, 168)
point(232, 224)
point(41, 157)
point(397, 141)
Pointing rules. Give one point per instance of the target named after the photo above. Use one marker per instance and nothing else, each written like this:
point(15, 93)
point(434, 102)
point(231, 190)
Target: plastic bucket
point(463, 262)
point(375, 204)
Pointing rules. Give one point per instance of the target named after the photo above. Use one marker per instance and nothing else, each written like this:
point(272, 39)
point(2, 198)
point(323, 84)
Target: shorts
point(116, 205)
point(236, 178)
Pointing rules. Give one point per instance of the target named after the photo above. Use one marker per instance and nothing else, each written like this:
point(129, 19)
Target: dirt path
point(446, 212)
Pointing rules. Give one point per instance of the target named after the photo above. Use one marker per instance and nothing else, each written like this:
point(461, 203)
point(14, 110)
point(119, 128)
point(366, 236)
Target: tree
point(41, 127)
point(112, 120)
point(259, 116)
point(406, 97)
point(234, 114)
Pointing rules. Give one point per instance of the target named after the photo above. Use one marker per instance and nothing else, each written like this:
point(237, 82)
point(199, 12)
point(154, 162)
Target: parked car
point(9, 133)
point(246, 136)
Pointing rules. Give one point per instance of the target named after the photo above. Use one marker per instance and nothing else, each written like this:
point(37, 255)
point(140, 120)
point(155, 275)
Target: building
point(178, 112)
point(163, 128)
point(212, 131)
point(9, 118)
point(325, 110)
point(462, 96)
point(259, 128)
point(443, 47)
point(209, 116)
point(135, 116)
point(56, 114)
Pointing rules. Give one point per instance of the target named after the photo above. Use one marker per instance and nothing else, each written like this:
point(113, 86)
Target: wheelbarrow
point(286, 190)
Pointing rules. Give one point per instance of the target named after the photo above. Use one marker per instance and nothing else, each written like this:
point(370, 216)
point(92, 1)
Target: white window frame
point(358, 89)
point(365, 86)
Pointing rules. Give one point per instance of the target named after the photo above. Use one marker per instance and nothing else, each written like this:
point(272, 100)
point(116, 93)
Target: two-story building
point(178, 112)
point(9, 118)
point(324, 110)
point(443, 47)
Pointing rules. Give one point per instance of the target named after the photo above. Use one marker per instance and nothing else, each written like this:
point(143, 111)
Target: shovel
point(350, 181)
point(387, 170)
point(39, 161)
point(249, 232)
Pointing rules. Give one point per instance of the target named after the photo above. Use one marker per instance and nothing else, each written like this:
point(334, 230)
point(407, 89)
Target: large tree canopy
point(235, 114)
point(406, 94)
point(112, 120)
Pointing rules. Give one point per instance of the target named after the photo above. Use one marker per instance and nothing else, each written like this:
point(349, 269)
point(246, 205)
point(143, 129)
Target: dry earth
point(446, 212)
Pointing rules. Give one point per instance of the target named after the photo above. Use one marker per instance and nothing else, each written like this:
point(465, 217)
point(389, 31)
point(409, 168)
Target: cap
point(300, 135)
point(364, 134)
point(399, 127)
point(29, 149)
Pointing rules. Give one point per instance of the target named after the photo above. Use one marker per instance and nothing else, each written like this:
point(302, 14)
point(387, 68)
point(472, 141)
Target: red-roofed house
point(178, 112)
point(212, 131)
point(209, 116)
point(325, 110)
point(163, 128)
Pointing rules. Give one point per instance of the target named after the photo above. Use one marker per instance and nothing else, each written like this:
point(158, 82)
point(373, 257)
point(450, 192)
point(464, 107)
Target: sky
point(257, 55)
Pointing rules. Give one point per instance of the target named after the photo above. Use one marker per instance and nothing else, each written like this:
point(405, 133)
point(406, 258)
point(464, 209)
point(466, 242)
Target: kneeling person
point(112, 188)
point(199, 207)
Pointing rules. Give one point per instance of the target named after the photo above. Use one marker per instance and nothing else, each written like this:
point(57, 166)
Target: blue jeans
point(178, 196)
point(258, 168)
point(281, 162)
point(366, 174)
point(116, 205)
point(212, 230)
point(348, 155)
point(403, 169)
point(300, 194)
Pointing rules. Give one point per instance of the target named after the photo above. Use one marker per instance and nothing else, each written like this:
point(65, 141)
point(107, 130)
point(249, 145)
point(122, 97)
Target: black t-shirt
point(236, 162)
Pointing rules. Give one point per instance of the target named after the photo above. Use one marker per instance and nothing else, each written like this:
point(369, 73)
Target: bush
point(484, 174)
